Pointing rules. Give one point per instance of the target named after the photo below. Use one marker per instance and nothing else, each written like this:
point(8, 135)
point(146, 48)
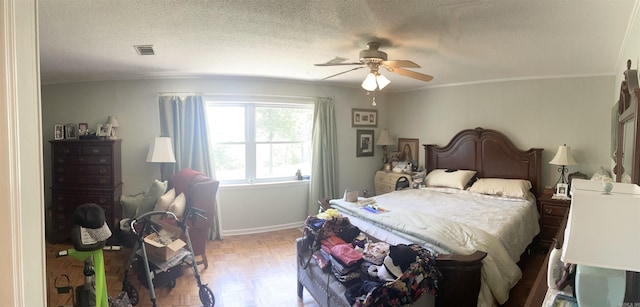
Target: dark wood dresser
point(84, 171)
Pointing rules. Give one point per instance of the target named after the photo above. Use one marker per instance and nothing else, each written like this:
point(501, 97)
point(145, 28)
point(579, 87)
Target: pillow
point(151, 196)
point(131, 204)
point(457, 179)
point(178, 205)
point(165, 201)
point(515, 188)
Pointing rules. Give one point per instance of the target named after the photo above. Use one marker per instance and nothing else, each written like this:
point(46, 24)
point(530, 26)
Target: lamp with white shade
point(601, 238)
point(563, 158)
point(384, 140)
point(161, 151)
point(114, 126)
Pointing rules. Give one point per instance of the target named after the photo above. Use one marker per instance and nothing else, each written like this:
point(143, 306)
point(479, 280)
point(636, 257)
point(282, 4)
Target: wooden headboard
point(490, 153)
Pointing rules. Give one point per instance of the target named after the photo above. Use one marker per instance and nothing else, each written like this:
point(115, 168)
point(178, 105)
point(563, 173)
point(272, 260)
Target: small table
point(552, 211)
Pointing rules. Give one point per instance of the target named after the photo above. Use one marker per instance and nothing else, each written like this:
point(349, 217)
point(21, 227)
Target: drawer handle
point(103, 200)
point(95, 150)
point(66, 150)
point(103, 181)
point(103, 160)
point(81, 159)
point(103, 171)
point(548, 211)
point(60, 179)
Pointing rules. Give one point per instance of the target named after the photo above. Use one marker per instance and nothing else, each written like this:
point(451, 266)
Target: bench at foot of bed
point(459, 286)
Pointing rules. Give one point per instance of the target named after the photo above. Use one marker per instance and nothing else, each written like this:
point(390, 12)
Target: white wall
point(22, 282)
point(135, 103)
point(532, 113)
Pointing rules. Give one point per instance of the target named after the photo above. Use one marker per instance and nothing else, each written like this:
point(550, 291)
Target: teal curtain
point(183, 119)
point(324, 164)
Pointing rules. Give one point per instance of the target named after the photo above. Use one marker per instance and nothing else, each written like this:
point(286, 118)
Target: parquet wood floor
point(247, 270)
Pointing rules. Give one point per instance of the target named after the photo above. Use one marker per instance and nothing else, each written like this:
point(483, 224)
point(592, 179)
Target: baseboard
point(247, 231)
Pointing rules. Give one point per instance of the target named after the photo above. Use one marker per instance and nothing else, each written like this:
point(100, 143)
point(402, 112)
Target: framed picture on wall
point(364, 143)
point(364, 118)
point(409, 151)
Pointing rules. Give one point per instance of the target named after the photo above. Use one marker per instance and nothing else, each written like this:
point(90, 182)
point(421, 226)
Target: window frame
point(250, 103)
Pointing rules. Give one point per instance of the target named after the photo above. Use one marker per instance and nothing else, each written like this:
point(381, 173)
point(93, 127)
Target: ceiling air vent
point(144, 49)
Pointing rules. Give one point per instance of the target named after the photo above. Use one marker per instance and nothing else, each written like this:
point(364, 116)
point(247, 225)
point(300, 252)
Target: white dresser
point(385, 182)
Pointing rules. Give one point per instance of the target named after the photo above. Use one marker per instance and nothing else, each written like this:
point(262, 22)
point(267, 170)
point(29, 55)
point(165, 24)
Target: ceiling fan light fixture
point(382, 81)
point(370, 83)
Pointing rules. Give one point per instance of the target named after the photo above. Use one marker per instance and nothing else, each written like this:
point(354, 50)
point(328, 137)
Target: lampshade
point(385, 138)
point(601, 238)
point(382, 81)
point(161, 150)
point(369, 82)
point(375, 80)
point(113, 121)
point(602, 228)
point(563, 156)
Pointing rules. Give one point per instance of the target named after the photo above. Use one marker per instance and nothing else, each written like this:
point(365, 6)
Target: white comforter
point(461, 222)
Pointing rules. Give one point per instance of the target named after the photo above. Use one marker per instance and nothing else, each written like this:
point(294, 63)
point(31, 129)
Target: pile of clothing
point(375, 273)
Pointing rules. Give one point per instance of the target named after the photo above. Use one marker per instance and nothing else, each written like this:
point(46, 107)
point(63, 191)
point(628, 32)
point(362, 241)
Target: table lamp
point(601, 238)
point(114, 126)
point(161, 151)
point(563, 157)
point(384, 140)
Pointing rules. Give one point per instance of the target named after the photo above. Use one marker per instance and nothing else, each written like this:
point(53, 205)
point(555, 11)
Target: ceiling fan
point(373, 59)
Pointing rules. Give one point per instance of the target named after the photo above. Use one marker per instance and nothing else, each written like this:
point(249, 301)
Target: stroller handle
point(147, 216)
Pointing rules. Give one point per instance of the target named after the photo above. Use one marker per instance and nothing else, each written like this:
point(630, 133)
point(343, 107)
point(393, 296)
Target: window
point(259, 140)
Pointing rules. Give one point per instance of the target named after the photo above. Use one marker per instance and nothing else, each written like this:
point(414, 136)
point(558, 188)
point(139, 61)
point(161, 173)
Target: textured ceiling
point(456, 41)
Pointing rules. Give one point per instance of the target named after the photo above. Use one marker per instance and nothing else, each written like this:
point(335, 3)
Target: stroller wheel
point(171, 284)
point(206, 296)
point(131, 291)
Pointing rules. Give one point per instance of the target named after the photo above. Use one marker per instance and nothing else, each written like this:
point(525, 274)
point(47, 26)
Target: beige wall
point(533, 113)
point(135, 103)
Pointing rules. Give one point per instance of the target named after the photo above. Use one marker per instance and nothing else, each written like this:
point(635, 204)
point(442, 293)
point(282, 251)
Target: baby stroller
point(143, 226)
point(89, 234)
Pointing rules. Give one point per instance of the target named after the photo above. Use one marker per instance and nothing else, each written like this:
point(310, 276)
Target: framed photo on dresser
point(70, 132)
point(58, 132)
point(104, 130)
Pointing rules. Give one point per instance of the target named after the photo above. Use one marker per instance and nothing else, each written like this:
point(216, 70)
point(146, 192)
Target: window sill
point(263, 185)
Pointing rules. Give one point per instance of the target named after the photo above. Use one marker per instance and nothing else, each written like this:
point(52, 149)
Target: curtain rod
point(235, 94)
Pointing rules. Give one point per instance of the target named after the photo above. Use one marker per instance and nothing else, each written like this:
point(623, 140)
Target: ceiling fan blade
point(338, 64)
point(411, 74)
point(399, 63)
point(337, 61)
point(344, 72)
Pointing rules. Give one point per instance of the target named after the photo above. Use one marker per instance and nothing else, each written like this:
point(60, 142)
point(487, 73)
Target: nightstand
point(552, 212)
point(385, 182)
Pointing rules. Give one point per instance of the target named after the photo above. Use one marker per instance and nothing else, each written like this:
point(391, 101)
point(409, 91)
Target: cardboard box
point(162, 252)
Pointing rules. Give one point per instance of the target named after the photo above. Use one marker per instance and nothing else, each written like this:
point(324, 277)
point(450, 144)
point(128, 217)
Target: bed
point(453, 221)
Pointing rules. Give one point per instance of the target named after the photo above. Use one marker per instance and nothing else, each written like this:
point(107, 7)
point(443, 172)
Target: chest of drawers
point(385, 182)
point(84, 171)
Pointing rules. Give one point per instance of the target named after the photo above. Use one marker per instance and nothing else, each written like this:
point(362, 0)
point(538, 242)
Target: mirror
point(627, 167)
